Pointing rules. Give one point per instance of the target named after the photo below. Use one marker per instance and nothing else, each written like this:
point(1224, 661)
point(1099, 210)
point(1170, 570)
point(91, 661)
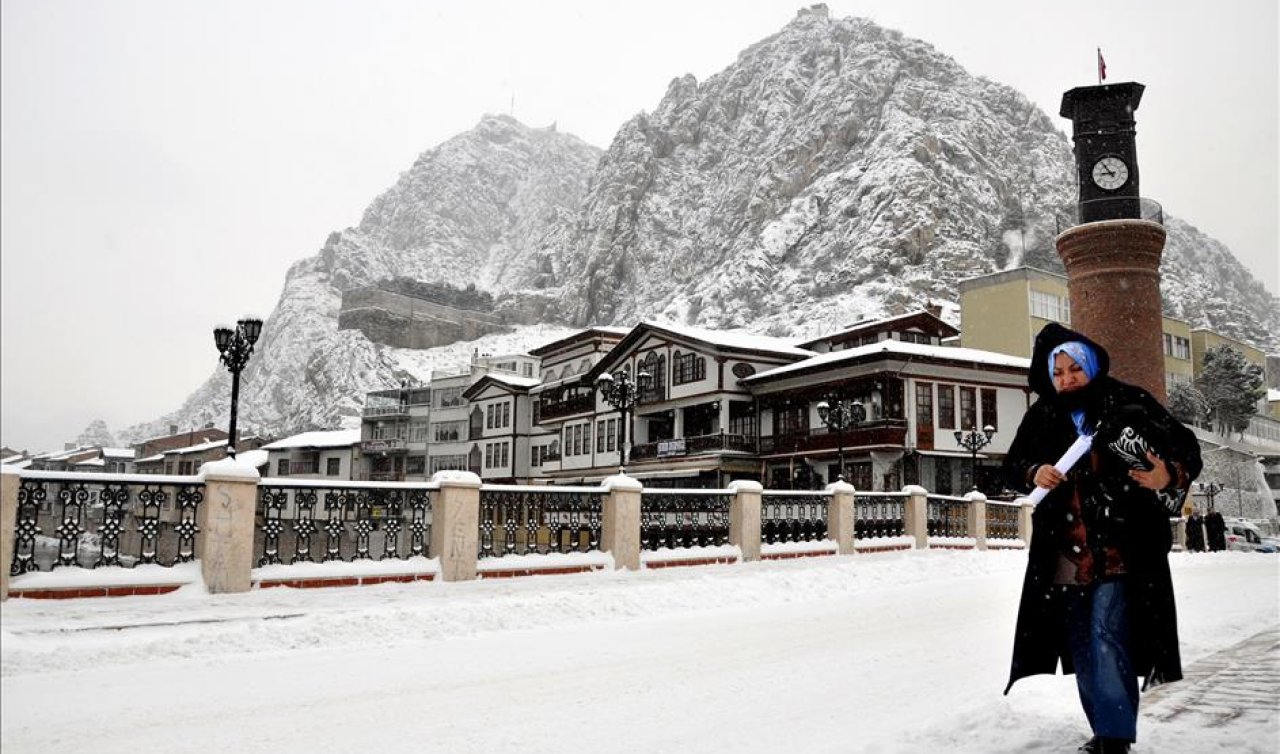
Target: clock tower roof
point(1085, 103)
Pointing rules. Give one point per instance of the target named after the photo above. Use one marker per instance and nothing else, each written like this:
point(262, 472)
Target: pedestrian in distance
point(1097, 597)
point(1216, 530)
point(1195, 531)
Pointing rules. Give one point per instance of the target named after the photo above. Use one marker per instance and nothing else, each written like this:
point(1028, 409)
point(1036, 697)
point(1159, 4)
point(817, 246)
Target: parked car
point(1246, 537)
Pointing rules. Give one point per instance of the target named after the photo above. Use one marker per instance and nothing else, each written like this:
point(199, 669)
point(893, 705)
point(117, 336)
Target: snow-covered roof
point(1273, 395)
point(882, 321)
point(12, 459)
point(118, 453)
point(206, 445)
point(513, 380)
point(734, 339)
point(898, 348)
point(329, 438)
point(57, 455)
point(254, 458)
point(17, 464)
point(151, 459)
point(92, 462)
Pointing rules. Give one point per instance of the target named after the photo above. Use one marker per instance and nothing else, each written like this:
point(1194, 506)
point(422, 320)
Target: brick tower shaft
point(1113, 273)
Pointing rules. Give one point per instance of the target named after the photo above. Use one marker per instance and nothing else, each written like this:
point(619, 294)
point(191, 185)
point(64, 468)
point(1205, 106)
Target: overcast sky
point(163, 163)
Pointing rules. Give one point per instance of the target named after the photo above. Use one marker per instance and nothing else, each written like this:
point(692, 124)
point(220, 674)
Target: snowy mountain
point(837, 170)
point(840, 170)
point(469, 210)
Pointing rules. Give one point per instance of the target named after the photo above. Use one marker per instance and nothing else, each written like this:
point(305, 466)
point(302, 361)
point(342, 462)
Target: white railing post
point(224, 544)
point(10, 481)
point(1024, 520)
point(455, 524)
point(620, 524)
point(915, 514)
point(840, 516)
point(744, 517)
point(978, 519)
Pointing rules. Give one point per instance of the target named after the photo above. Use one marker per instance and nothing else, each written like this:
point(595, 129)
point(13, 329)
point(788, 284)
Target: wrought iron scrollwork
point(947, 518)
point(675, 519)
point(878, 516)
point(793, 518)
point(539, 521)
point(115, 501)
point(1002, 521)
point(98, 522)
point(31, 495)
point(273, 503)
point(350, 518)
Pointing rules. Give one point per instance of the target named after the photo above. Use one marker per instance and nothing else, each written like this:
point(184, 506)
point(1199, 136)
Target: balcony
point(399, 409)
point(878, 432)
point(383, 445)
point(698, 445)
point(577, 404)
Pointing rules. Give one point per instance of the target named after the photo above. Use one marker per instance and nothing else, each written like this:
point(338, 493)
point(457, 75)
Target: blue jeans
point(1098, 635)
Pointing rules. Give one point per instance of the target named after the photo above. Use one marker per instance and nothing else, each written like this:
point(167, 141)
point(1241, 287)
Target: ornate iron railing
point(518, 520)
point(947, 516)
point(309, 521)
point(793, 516)
point(693, 445)
point(91, 520)
point(684, 518)
point(875, 432)
point(879, 515)
point(1002, 520)
point(573, 404)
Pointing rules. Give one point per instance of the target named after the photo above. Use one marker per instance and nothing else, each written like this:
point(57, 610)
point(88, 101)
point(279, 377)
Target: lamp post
point(973, 441)
point(622, 393)
point(839, 414)
point(1209, 490)
point(235, 347)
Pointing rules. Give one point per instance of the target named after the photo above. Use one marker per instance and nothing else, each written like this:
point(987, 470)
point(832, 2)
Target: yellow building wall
point(1183, 368)
point(1202, 340)
point(995, 318)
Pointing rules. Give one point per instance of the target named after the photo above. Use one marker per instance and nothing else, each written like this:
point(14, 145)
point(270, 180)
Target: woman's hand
point(1048, 477)
point(1156, 479)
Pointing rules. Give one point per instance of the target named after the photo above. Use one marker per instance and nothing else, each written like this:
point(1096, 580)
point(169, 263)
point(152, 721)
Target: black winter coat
point(1139, 530)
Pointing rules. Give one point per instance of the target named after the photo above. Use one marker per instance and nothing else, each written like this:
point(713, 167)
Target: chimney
point(173, 429)
point(934, 309)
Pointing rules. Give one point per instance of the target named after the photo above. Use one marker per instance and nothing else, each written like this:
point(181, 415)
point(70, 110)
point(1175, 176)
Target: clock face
point(1110, 173)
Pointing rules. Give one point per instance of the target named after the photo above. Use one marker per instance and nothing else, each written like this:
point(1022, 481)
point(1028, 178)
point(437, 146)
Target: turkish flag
point(1102, 67)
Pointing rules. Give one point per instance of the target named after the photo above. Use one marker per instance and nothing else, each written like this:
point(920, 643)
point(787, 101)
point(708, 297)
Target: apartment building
point(324, 454)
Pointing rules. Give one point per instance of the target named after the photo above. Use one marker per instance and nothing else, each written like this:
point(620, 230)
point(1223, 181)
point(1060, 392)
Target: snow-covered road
point(895, 652)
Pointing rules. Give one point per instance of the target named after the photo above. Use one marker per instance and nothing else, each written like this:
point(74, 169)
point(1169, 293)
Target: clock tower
point(1112, 256)
point(1103, 130)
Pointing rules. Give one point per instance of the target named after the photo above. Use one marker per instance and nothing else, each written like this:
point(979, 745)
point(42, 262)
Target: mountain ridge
point(835, 171)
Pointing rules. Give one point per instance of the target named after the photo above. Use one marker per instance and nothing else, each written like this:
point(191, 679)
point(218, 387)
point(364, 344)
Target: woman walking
point(1097, 596)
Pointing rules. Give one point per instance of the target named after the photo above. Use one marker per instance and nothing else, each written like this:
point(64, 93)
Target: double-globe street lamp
point(622, 392)
point(235, 347)
point(1210, 491)
point(973, 441)
point(840, 414)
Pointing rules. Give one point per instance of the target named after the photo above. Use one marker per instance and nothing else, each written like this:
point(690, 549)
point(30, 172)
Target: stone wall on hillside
point(401, 321)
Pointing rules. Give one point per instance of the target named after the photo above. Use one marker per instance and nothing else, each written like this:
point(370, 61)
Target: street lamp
point(973, 441)
point(1209, 490)
point(622, 393)
point(235, 347)
point(840, 414)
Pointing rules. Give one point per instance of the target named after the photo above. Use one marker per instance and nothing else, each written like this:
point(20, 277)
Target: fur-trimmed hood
point(1050, 337)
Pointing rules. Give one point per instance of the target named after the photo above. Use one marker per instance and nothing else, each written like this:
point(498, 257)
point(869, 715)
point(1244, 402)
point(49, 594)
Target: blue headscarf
point(1087, 358)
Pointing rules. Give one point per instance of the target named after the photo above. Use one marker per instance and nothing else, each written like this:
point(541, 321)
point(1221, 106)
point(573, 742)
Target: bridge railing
point(242, 531)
